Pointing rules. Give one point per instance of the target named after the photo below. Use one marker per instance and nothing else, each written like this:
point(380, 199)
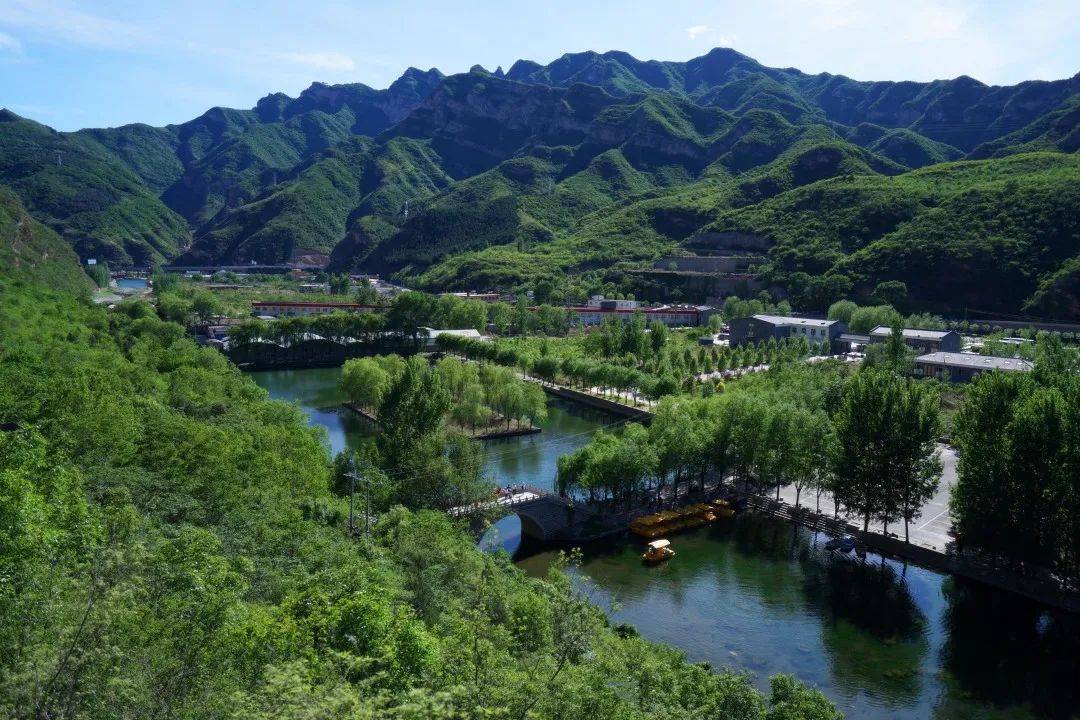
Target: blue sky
point(108, 62)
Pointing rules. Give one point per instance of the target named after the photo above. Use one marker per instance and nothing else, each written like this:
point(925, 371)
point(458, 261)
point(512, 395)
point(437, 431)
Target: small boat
point(843, 544)
point(658, 551)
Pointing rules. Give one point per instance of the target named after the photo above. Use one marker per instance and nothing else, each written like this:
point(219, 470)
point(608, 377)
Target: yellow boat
point(681, 518)
point(658, 551)
point(649, 526)
point(723, 508)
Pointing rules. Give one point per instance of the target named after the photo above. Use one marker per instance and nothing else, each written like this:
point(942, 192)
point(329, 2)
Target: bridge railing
point(519, 495)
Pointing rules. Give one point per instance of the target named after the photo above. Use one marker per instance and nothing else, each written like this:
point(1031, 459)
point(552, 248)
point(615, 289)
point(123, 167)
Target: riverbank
point(886, 640)
point(1029, 587)
point(492, 434)
point(883, 639)
point(597, 403)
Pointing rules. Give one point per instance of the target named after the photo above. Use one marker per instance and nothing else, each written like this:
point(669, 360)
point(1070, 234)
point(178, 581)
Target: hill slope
point(87, 195)
point(32, 253)
point(978, 234)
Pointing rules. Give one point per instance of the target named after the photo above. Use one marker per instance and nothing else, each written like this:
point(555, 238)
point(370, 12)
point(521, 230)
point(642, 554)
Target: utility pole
point(352, 491)
point(353, 477)
point(367, 506)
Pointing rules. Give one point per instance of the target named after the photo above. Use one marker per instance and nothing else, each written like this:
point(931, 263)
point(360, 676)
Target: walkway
point(929, 530)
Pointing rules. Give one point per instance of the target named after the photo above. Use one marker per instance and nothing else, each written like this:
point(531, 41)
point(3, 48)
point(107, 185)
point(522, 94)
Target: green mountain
point(87, 195)
point(576, 171)
point(34, 254)
point(962, 112)
point(976, 234)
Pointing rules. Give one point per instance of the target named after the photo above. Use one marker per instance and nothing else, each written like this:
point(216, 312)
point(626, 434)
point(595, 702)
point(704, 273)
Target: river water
point(881, 639)
point(130, 283)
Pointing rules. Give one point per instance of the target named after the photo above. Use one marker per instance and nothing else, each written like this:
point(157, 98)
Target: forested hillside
point(573, 172)
point(87, 195)
point(31, 252)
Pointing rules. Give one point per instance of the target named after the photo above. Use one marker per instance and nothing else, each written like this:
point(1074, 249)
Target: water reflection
point(872, 628)
point(531, 459)
point(881, 639)
point(1002, 649)
point(504, 534)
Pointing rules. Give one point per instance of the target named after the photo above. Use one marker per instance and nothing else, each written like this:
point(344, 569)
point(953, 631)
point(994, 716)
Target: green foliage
point(1016, 497)
point(99, 273)
point(886, 465)
point(790, 700)
point(573, 175)
point(33, 253)
point(169, 531)
point(842, 310)
point(947, 232)
point(771, 432)
point(865, 319)
point(367, 380)
point(736, 307)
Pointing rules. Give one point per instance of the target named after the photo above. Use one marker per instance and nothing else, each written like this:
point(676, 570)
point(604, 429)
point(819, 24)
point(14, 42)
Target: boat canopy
point(659, 544)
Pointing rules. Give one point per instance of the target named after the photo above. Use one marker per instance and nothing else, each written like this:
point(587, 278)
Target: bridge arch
point(532, 524)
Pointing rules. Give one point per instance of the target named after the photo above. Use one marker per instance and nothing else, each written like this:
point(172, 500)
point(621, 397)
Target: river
point(881, 639)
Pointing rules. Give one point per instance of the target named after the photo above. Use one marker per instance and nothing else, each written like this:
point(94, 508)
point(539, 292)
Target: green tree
point(205, 305)
point(894, 355)
point(842, 310)
point(885, 462)
point(790, 700)
point(366, 294)
point(865, 319)
point(502, 316)
point(338, 284)
point(411, 417)
point(891, 292)
point(365, 382)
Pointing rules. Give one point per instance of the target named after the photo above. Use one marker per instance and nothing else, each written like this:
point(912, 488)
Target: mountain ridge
point(489, 161)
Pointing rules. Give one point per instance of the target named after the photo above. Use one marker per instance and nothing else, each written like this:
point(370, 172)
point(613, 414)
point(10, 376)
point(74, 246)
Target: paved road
point(932, 525)
point(930, 529)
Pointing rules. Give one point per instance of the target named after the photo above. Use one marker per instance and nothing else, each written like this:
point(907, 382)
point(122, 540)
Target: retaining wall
point(610, 406)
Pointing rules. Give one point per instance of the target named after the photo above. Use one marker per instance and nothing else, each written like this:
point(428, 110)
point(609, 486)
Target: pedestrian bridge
point(544, 516)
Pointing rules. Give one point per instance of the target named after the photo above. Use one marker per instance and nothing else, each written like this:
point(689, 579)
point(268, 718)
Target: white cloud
point(9, 43)
point(328, 61)
point(58, 22)
point(696, 31)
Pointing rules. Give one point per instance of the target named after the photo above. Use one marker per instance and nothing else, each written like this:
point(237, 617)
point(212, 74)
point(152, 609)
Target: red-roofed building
point(670, 315)
point(285, 308)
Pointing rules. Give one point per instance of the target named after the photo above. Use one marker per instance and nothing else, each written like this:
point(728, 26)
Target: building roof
point(293, 303)
point(785, 321)
point(850, 337)
point(974, 362)
point(432, 333)
point(909, 333)
point(683, 309)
